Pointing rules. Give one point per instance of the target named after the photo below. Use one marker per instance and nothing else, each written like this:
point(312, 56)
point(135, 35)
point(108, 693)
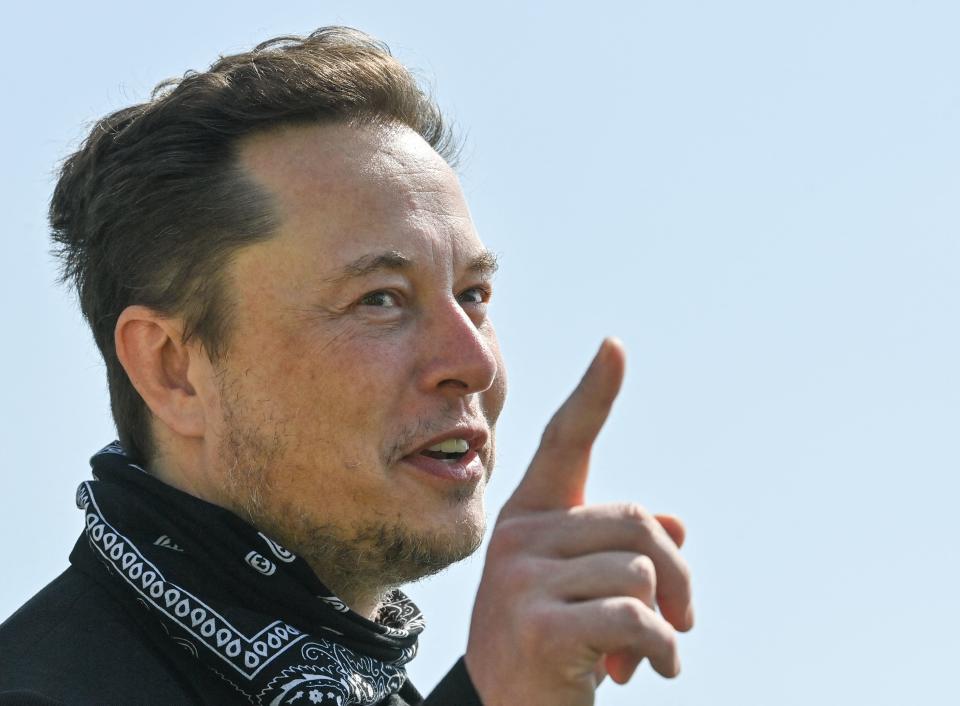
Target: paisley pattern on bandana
point(236, 600)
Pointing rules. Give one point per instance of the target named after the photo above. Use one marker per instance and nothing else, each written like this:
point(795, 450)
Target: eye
point(381, 299)
point(475, 295)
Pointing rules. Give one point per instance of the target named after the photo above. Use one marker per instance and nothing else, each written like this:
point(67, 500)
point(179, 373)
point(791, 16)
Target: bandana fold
point(237, 601)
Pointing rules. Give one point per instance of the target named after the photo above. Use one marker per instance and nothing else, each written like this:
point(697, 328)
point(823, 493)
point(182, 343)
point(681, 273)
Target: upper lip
point(475, 435)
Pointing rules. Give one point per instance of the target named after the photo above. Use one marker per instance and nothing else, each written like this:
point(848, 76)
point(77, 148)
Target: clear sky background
point(760, 198)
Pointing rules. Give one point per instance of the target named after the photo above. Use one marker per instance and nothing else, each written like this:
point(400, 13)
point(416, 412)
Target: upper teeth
point(451, 446)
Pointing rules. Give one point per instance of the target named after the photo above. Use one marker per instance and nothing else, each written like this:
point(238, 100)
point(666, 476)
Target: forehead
point(342, 195)
point(366, 181)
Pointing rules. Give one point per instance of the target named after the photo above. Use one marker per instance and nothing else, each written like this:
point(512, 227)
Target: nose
point(460, 354)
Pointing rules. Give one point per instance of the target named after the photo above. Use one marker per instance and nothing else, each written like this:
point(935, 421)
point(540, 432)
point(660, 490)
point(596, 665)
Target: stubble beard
point(368, 558)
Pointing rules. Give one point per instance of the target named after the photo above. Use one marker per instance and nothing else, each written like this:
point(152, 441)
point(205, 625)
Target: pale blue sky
point(759, 198)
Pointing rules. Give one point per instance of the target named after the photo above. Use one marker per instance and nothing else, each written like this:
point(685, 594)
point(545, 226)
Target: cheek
point(339, 386)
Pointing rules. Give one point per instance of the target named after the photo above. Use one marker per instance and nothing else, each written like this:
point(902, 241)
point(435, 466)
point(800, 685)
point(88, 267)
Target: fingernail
point(688, 618)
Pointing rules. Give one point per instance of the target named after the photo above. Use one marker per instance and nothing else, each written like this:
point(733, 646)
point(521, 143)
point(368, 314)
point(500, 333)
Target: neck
point(364, 602)
point(351, 568)
point(359, 566)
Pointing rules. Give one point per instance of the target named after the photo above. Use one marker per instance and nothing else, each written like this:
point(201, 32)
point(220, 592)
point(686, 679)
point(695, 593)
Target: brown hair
point(152, 205)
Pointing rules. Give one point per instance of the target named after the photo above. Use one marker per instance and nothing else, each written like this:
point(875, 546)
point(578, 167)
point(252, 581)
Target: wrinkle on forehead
point(347, 184)
point(302, 165)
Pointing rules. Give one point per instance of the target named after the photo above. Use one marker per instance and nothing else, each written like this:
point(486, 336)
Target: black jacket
point(73, 643)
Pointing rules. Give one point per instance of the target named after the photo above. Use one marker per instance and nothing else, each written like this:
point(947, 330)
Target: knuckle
point(523, 575)
point(553, 434)
point(643, 570)
point(640, 521)
point(631, 613)
point(564, 433)
point(509, 537)
point(636, 513)
point(542, 624)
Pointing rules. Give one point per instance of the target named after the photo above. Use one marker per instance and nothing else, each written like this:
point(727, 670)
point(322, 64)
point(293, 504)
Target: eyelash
point(364, 299)
point(484, 292)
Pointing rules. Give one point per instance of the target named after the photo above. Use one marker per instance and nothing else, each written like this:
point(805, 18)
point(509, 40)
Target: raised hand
point(571, 592)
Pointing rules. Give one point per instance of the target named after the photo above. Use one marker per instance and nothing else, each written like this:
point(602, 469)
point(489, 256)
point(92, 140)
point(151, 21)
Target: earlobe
point(158, 363)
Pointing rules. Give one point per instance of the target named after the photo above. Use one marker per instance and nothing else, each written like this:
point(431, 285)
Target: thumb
point(557, 476)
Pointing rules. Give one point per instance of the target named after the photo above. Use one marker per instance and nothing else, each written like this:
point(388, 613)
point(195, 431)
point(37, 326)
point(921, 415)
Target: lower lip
point(468, 469)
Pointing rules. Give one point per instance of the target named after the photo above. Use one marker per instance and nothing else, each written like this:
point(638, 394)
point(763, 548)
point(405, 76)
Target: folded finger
point(603, 575)
point(603, 528)
point(625, 626)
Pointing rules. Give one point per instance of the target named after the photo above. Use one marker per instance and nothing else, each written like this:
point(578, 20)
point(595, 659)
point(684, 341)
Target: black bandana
point(245, 607)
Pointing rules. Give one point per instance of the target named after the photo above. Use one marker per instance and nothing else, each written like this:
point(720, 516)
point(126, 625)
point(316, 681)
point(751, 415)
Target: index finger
point(557, 475)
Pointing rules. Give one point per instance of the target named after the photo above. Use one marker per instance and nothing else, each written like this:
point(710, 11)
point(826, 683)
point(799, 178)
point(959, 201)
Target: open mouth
point(448, 450)
point(454, 457)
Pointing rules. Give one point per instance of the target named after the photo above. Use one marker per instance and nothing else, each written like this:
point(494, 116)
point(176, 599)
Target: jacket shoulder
point(72, 642)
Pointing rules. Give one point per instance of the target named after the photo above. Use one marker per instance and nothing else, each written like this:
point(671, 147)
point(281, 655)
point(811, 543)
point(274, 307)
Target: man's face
point(359, 340)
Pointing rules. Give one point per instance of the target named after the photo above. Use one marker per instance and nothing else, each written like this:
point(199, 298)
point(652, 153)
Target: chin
point(448, 535)
point(428, 540)
point(408, 557)
point(415, 527)
point(376, 551)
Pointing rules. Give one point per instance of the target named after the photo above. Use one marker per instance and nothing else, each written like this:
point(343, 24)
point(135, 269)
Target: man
point(281, 272)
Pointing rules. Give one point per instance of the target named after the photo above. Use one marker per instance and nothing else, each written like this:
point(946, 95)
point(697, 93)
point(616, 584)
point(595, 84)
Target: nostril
point(450, 382)
point(461, 358)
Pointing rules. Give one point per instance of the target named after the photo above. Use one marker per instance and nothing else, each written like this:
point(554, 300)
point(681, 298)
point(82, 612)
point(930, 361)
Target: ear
point(167, 372)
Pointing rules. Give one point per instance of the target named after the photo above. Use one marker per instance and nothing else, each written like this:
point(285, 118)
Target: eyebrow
point(368, 264)
point(484, 264)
